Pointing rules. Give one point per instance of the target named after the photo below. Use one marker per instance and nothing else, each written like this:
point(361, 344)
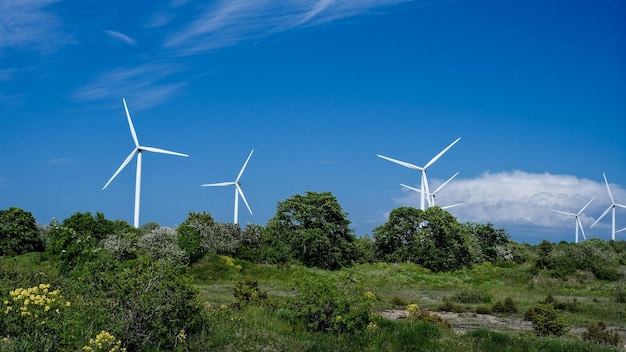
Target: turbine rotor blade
point(620, 205)
point(586, 205)
point(441, 153)
point(608, 189)
point(161, 151)
point(240, 191)
point(618, 231)
point(130, 123)
point(579, 224)
point(405, 164)
point(563, 212)
point(128, 159)
point(452, 206)
point(445, 183)
point(219, 184)
point(244, 166)
point(601, 216)
point(411, 188)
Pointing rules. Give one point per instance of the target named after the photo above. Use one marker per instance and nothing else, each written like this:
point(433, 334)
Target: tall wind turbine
point(139, 149)
point(577, 218)
point(238, 190)
point(431, 196)
point(611, 207)
point(424, 181)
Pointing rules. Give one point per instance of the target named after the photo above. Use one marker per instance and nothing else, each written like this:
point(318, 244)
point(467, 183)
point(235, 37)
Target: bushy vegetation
point(303, 282)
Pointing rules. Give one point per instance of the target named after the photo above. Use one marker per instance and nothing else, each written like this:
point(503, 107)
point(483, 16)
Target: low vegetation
point(303, 282)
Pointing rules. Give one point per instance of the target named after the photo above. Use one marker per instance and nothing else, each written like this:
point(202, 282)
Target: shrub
point(449, 306)
point(482, 310)
point(620, 294)
point(162, 243)
point(508, 306)
point(471, 296)
point(546, 321)
point(327, 306)
point(599, 334)
point(419, 314)
point(18, 232)
point(247, 293)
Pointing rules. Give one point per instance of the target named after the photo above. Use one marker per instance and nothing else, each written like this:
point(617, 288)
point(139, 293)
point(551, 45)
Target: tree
point(18, 232)
point(489, 240)
point(312, 229)
point(432, 238)
point(96, 226)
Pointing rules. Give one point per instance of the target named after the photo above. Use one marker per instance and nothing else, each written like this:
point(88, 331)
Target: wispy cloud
point(30, 24)
point(6, 74)
point(523, 199)
point(147, 85)
point(120, 37)
point(228, 22)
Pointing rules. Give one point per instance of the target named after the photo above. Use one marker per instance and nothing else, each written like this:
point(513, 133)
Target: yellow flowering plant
point(104, 342)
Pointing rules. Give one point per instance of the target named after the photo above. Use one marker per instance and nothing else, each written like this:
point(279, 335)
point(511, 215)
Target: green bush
point(449, 306)
point(18, 232)
point(418, 314)
point(508, 306)
point(599, 334)
point(329, 306)
point(546, 321)
point(482, 310)
point(248, 293)
point(468, 296)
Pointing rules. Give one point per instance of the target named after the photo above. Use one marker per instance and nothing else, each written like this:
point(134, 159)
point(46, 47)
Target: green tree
point(312, 229)
point(432, 238)
point(489, 240)
point(18, 232)
point(190, 233)
point(96, 226)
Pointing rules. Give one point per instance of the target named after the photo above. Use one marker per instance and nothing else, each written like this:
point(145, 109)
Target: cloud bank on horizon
point(522, 199)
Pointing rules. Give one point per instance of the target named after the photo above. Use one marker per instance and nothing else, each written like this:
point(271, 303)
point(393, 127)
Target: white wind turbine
point(139, 149)
point(424, 181)
point(238, 190)
point(577, 218)
point(611, 207)
point(431, 197)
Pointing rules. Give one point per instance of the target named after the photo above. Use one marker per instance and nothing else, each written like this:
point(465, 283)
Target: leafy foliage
point(311, 229)
point(546, 321)
point(18, 232)
point(598, 333)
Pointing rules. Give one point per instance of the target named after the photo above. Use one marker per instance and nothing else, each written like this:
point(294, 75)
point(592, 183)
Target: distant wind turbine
point(424, 181)
point(431, 196)
point(611, 207)
point(578, 224)
point(139, 149)
point(238, 190)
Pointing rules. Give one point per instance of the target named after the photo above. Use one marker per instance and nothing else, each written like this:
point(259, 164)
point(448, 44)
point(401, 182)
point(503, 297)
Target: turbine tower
point(139, 149)
point(431, 196)
point(238, 190)
point(611, 207)
point(578, 224)
point(424, 181)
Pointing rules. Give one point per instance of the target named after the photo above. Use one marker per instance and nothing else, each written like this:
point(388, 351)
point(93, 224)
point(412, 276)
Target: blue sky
point(535, 89)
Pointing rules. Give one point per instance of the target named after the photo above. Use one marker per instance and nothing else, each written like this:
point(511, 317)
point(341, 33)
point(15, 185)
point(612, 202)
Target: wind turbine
point(424, 182)
point(238, 190)
point(139, 149)
point(611, 207)
point(577, 218)
point(431, 196)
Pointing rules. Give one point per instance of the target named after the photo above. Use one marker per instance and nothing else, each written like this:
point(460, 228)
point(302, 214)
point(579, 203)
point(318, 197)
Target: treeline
point(310, 229)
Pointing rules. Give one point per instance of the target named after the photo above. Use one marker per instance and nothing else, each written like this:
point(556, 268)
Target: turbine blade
point(244, 166)
point(128, 159)
point(601, 216)
point(411, 188)
point(580, 225)
point(130, 123)
point(452, 206)
point(445, 183)
point(218, 184)
point(441, 153)
point(618, 231)
point(162, 151)
point(586, 205)
point(620, 205)
point(563, 212)
point(240, 191)
point(608, 189)
point(405, 164)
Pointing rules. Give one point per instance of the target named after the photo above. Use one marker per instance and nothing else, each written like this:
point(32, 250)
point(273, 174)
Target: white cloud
point(143, 86)
point(228, 22)
point(522, 199)
point(30, 24)
point(117, 36)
